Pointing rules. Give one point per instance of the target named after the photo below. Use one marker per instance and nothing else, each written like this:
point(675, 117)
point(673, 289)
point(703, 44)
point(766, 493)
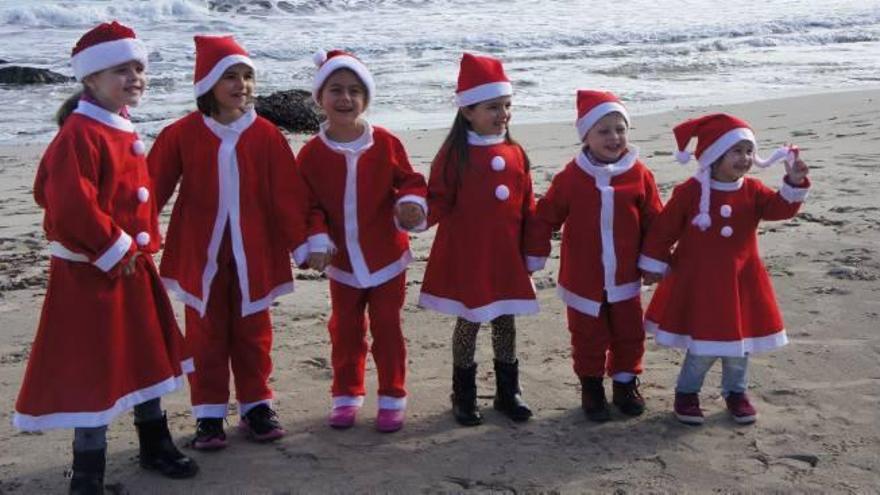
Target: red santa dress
point(605, 211)
point(106, 341)
point(354, 188)
point(717, 299)
point(478, 269)
point(239, 213)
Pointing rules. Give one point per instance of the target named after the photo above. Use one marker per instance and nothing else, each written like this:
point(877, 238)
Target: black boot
point(593, 400)
point(88, 472)
point(508, 395)
point(464, 396)
point(159, 453)
point(627, 398)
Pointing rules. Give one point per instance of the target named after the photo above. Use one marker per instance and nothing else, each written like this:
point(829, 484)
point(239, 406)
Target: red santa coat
point(106, 341)
point(244, 175)
point(477, 269)
point(717, 299)
point(355, 187)
point(606, 211)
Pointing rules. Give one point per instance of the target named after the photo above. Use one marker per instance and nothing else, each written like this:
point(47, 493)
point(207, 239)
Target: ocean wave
point(71, 14)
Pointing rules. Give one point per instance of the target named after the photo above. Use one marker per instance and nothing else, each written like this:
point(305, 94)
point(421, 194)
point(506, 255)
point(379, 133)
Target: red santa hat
point(332, 61)
point(215, 54)
point(105, 46)
point(593, 105)
point(716, 133)
point(480, 78)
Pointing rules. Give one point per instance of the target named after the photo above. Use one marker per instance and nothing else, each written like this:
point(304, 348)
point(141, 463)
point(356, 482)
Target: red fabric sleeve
point(782, 204)
point(442, 189)
point(670, 223)
point(165, 166)
point(66, 186)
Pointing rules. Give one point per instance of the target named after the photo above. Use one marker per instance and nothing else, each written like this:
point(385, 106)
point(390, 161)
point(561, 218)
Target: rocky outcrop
point(15, 74)
point(292, 110)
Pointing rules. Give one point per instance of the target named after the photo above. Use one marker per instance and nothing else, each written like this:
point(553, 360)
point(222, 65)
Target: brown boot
point(627, 398)
point(593, 400)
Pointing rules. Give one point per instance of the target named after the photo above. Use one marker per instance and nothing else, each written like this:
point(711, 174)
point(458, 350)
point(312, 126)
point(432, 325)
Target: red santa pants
point(224, 337)
point(348, 330)
point(613, 342)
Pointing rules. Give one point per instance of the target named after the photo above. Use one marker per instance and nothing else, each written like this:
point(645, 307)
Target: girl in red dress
point(715, 298)
point(107, 340)
point(480, 196)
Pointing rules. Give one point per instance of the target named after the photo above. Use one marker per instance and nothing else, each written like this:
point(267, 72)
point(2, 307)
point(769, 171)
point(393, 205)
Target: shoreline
point(817, 429)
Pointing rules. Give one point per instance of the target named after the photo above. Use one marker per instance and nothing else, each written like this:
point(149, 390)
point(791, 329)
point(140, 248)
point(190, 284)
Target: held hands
point(319, 261)
point(409, 215)
point(651, 278)
point(796, 170)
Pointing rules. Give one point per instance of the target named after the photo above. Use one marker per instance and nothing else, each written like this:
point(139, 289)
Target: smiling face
point(343, 98)
point(607, 139)
point(490, 117)
point(735, 162)
point(234, 92)
point(118, 86)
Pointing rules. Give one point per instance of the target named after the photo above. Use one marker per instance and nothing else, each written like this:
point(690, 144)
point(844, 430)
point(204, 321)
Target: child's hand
point(651, 278)
point(319, 261)
point(797, 172)
point(129, 268)
point(409, 215)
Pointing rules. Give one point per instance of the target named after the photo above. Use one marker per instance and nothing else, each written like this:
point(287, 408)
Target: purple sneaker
point(342, 417)
point(390, 420)
point(687, 409)
point(740, 408)
point(261, 424)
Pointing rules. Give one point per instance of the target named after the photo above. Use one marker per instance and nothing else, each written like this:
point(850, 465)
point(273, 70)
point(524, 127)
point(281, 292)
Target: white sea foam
point(656, 54)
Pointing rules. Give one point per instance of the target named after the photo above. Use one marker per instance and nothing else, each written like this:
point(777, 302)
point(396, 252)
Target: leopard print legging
point(464, 341)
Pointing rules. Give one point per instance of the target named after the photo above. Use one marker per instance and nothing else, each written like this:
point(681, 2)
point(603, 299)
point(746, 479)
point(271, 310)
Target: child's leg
point(734, 375)
point(590, 339)
point(508, 394)
point(150, 410)
point(90, 438)
point(348, 330)
point(250, 349)
point(464, 343)
point(464, 373)
point(208, 340)
point(734, 382)
point(693, 372)
point(89, 460)
point(389, 348)
point(627, 339)
point(504, 338)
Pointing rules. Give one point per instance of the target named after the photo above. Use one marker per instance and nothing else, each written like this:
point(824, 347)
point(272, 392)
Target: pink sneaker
point(740, 408)
point(390, 420)
point(342, 417)
point(687, 409)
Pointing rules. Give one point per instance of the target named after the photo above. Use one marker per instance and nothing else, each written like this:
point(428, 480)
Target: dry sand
point(819, 423)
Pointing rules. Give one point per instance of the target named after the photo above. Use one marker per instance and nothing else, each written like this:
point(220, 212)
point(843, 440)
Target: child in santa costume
point(715, 298)
point(240, 210)
point(605, 198)
point(480, 194)
point(365, 197)
point(107, 339)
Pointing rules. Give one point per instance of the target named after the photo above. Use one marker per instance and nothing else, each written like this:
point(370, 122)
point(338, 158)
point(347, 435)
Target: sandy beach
point(818, 429)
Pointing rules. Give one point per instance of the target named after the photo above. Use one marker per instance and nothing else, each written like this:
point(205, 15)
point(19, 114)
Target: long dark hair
point(68, 107)
point(454, 152)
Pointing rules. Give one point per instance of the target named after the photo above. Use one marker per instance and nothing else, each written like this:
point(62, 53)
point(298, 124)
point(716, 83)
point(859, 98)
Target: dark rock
point(16, 74)
point(3, 61)
point(292, 110)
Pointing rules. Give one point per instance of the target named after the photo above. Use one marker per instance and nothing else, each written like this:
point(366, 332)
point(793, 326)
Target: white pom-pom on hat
point(319, 58)
point(683, 157)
